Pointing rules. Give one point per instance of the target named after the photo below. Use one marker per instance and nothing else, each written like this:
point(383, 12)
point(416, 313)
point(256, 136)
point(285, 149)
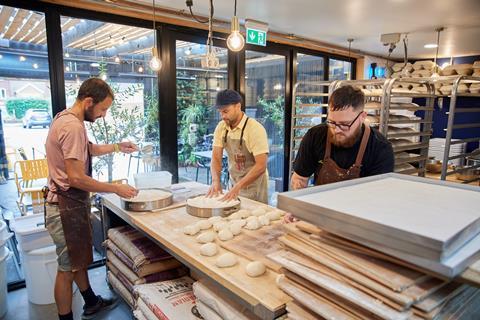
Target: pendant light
point(235, 41)
point(155, 63)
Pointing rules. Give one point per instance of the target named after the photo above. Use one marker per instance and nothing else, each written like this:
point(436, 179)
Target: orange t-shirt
point(67, 139)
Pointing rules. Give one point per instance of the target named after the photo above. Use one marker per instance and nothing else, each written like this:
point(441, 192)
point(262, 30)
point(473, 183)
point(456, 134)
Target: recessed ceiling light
point(22, 58)
point(35, 66)
point(67, 55)
point(430, 46)
point(94, 64)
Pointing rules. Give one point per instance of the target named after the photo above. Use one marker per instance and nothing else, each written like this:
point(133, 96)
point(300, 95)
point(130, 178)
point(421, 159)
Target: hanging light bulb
point(117, 59)
point(235, 40)
point(155, 63)
point(103, 76)
point(140, 69)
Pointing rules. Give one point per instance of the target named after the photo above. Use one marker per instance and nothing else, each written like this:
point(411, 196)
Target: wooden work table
point(260, 295)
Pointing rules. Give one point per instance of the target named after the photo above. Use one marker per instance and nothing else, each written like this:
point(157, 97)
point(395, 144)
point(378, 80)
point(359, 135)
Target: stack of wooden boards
point(330, 277)
point(431, 224)
point(133, 259)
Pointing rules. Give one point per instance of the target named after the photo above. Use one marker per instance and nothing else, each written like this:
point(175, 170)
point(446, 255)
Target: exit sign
point(256, 37)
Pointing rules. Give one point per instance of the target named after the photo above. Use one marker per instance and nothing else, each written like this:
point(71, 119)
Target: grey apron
point(240, 162)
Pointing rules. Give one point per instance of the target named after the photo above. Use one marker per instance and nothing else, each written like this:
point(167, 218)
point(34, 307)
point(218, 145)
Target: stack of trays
point(436, 149)
point(431, 224)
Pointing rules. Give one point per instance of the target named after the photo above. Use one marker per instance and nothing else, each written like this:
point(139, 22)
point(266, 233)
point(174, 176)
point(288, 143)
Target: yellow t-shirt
point(254, 135)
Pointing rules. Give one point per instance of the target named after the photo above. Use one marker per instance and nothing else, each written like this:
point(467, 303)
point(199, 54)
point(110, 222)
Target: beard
point(340, 140)
point(90, 114)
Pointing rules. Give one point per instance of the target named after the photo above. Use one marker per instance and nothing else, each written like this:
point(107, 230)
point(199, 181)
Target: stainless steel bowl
point(148, 205)
point(467, 174)
point(210, 212)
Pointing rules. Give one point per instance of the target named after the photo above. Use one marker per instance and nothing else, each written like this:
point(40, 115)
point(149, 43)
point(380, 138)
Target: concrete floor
point(19, 308)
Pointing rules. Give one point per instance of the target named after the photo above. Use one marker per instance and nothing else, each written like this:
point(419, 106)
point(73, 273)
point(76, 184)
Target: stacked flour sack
point(464, 69)
point(133, 259)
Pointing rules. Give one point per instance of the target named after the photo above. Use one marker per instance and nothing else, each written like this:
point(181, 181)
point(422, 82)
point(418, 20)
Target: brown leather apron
point(75, 207)
point(330, 172)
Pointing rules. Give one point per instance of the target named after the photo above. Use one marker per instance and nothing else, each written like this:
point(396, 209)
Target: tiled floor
point(19, 308)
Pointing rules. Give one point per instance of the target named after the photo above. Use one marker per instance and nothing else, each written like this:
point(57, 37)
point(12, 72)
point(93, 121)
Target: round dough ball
point(208, 249)
point(255, 269)
point(240, 222)
point(226, 260)
point(191, 229)
point(206, 237)
point(264, 220)
point(252, 224)
point(258, 212)
point(274, 215)
point(217, 226)
point(204, 224)
point(215, 219)
point(225, 234)
point(252, 218)
point(235, 228)
point(240, 214)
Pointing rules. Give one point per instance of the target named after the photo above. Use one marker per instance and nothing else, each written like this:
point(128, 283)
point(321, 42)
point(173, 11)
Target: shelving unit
point(452, 125)
point(311, 105)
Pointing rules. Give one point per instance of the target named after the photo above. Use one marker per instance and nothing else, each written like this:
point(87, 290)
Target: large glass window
point(119, 54)
point(340, 70)
point(265, 101)
point(25, 109)
point(197, 88)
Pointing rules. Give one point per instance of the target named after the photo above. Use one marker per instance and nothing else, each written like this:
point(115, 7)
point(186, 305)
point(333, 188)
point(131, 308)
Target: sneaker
point(102, 305)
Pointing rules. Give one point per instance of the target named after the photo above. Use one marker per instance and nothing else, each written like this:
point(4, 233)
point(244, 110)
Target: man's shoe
point(102, 305)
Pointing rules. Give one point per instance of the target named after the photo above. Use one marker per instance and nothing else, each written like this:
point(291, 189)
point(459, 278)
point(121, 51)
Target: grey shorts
point(53, 223)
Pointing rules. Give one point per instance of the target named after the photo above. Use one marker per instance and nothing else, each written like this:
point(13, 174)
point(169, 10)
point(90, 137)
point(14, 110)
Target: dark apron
point(75, 207)
point(330, 172)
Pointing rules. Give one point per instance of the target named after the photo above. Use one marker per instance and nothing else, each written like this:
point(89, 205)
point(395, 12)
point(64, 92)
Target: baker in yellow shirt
point(245, 141)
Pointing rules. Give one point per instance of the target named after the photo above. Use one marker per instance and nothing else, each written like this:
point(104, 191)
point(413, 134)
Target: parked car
point(36, 117)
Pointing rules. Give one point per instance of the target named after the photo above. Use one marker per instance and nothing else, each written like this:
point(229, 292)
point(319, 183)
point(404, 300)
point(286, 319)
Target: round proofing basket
point(148, 205)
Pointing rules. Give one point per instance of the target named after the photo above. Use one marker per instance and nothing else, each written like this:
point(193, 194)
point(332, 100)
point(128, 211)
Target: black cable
point(235, 9)
point(190, 4)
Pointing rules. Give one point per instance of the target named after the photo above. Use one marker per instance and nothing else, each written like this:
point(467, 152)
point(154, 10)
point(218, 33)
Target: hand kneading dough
point(253, 224)
point(235, 228)
point(226, 260)
point(217, 226)
point(209, 249)
point(225, 234)
point(255, 269)
point(215, 219)
point(204, 224)
point(264, 220)
point(206, 237)
point(240, 214)
point(191, 229)
point(259, 212)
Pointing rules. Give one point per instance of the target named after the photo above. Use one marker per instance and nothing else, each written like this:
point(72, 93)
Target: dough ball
point(274, 215)
point(264, 220)
point(204, 224)
point(191, 229)
point(225, 234)
point(240, 214)
point(252, 224)
point(208, 249)
point(252, 218)
point(215, 219)
point(255, 269)
point(235, 228)
point(258, 212)
point(217, 226)
point(240, 222)
point(226, 260)
point(206, 237)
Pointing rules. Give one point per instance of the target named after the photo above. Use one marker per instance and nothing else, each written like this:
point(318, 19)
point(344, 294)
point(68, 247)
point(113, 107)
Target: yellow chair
point(30, 177)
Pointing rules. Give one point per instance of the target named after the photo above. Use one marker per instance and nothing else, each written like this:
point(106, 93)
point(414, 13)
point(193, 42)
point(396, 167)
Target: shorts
point(53, 223)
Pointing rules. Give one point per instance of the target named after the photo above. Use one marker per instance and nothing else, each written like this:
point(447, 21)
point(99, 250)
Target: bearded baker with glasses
point(344, 147)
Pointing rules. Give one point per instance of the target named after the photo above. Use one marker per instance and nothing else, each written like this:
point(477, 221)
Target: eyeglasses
point(341, 126)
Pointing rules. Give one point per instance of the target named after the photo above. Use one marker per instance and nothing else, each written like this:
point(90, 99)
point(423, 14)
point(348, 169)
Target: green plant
point(18, 107)
point(274, 110)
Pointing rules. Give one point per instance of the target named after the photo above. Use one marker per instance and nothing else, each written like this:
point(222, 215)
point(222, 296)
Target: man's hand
point(127, 147)
point(232, 194)
point(289, 218)
point(215, 189)
point(298, 182)
point(125, 191)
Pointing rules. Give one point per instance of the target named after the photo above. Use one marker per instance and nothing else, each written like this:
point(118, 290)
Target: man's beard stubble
point(348, 142)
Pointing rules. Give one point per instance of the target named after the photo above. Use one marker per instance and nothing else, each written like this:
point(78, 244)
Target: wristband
point(116, 148)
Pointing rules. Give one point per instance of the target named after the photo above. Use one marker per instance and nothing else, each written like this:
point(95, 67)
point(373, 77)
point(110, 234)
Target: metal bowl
point(154, 204)
point(434, 166)
point(467, 174)
point(210, 212)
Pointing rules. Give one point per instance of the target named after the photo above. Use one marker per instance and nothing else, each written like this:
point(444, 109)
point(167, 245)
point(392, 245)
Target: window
point(340, 70)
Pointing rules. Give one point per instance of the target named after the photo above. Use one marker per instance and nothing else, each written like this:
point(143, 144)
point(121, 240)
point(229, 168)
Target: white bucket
point(154, 179)
point(31, 233)
point(4, 254)
point(40, 270)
